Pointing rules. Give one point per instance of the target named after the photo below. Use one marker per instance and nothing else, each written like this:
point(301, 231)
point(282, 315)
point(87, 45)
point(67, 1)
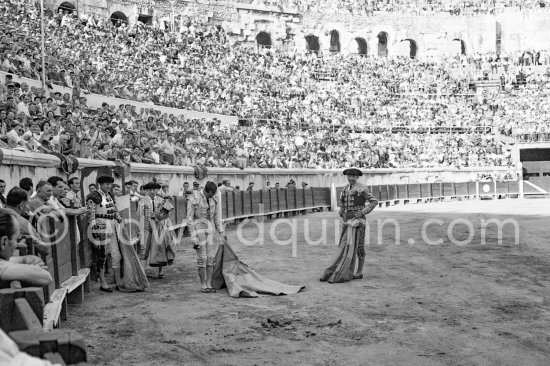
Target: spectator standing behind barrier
point(92, 188)
point(39, 203)
point(72, 198)
point(226, 186)
point(29, 269)
point(117, 191)
point(250, 187)
point(27, 185)
point(17, 206)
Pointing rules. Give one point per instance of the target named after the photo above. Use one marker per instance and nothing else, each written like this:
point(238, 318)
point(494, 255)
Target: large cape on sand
point(242, 281)
point(343, 265)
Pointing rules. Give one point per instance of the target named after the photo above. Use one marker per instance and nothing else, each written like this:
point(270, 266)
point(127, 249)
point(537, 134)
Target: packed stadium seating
point(405, 6)
point(422, 108)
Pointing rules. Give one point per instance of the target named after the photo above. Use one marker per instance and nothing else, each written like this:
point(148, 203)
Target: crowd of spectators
point(453, 7)
point(197, 68)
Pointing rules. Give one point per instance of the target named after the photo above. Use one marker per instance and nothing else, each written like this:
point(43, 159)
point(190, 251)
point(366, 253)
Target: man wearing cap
point(204, 221)
point(103, 217)
point(355, 203)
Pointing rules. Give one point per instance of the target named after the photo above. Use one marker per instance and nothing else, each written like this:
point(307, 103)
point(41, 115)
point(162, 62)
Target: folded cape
point(242, 281)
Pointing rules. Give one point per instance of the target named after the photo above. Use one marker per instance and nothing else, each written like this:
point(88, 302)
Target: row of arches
point(407, 46)
point(117, 18)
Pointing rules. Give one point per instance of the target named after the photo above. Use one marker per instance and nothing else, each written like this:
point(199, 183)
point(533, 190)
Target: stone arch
point(462, 45)
point(312, 43)
point(145, 19)
point(362, 46)
point(413, 47)
point(67, 7)
point(118, 18)
point(383, 41)
point(263, 40)
point(334, 41)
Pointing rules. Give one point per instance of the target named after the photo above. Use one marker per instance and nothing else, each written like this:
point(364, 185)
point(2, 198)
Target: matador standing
point(355, 203)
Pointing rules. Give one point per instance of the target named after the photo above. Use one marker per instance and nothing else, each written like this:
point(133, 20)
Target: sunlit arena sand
point(450, 302)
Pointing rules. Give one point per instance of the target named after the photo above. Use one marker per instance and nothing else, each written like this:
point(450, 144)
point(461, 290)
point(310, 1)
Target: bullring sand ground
point(419, 304)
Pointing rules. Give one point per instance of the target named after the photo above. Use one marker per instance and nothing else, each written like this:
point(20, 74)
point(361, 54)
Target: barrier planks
point(383, 193)
point(300, 198)
point(436, 190)
point(274, 199)
point(402, 192)
point(414, 192)
point(291, 198)
point(247, 202)
point(266, 200)
point(61, 247)
point(282, 199)
point(230, 201)
point(238, 203)
point(308, 194)
point(471, 188)
point(256, 198)
point(425, 190)
point(449, 190)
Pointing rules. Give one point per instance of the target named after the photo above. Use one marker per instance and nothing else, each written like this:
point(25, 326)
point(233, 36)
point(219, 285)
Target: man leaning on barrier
point(203, 220)
point(29, 269)
point(17, 205)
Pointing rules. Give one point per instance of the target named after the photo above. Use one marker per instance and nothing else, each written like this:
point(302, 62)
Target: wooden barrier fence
point(388, 195)
point(22, 320)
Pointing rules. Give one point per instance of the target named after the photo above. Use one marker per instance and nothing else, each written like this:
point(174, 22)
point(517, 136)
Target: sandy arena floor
point(419, 304)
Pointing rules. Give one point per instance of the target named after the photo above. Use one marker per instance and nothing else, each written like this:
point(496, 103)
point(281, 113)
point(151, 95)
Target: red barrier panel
point(461, 189)
point(449, 190)
point(61, 246)
point(513, 188)
point(375, 191)
point(181, 209)
point(502, 188)
point(238, 203)
point(230, 199)
point(256, 197)
point(383, 193)
point(291, 199)
point(274, 199)
point(437, 190)
point(247, 203)
point(308, 194)
point(321, 196)
point(282, 199)
point(266, 200)
point(300, 198)
point(403, 192)
point(425, 190)
point(471, 188)
point(414, 191)
point(392, 192)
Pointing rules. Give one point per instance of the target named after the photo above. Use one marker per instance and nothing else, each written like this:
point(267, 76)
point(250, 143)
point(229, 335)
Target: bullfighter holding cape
point(355, 203)
point(218, 265)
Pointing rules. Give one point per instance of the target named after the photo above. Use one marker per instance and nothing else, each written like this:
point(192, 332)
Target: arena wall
point(18, 164)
